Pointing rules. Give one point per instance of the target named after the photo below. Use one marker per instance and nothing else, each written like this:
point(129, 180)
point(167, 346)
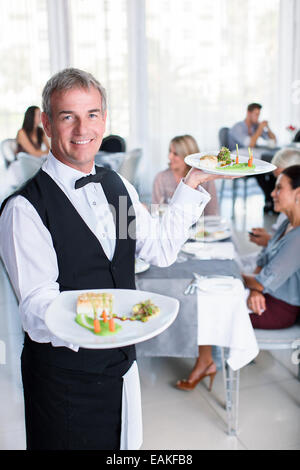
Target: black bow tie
point(89, 179)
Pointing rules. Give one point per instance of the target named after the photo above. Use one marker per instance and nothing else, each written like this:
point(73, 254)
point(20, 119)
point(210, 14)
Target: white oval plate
point(260, 166)
point(60, 319)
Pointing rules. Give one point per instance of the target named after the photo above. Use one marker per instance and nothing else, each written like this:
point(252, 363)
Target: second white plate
point(260, 165)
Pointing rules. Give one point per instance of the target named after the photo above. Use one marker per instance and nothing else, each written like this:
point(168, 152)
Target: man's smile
point(81, 142)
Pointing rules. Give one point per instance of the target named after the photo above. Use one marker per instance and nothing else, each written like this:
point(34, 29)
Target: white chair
point(267, 340)
point(28, 165)
point(129, 165)
point(8, 150)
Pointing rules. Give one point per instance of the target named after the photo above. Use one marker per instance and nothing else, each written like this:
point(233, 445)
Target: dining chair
point(28, 165)
point(8, 150)
point(129, 165)
point(113, 144)
point(267, 340)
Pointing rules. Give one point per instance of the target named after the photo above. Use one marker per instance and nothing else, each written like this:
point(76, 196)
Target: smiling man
point(76, 124)
point(59, 233)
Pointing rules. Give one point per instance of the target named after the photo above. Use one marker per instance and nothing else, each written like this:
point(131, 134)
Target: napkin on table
point(214, 250)
point(223, 320)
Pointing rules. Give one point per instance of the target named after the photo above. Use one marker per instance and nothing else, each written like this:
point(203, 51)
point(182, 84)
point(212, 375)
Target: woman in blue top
point(274, 286)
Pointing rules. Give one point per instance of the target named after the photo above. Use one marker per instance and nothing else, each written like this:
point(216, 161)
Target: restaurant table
point(172, 281)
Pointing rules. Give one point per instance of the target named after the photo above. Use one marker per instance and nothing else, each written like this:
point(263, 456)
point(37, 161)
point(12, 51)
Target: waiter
point(68, 230)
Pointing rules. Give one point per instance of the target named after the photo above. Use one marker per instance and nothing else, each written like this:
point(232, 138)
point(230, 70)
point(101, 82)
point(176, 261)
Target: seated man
point(246, 134)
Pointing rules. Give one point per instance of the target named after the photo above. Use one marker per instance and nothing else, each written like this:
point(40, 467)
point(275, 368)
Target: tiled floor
point(269, 409)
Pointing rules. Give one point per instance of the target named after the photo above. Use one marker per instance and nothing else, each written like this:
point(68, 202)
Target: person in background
point(166, 181)
point(246, 134)
point(274, 287)
point(282, 159)
point(31, 138)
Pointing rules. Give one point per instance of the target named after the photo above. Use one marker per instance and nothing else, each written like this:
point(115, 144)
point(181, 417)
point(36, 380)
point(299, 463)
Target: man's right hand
point(259, 236)
point(262, 126)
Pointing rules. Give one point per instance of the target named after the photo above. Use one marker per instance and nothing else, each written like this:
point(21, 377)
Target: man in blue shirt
point(246, 134)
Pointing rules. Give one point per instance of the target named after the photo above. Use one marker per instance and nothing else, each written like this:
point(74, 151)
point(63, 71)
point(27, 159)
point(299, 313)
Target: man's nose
point(80, 126)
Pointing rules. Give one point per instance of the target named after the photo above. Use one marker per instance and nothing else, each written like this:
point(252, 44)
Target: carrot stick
point(97, 327)
point(249, 160)
point(111, 324)
point(237, 154)
point(104, 316)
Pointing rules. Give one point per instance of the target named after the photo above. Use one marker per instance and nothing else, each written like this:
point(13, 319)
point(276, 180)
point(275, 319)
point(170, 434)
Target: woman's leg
point(278, 315)
point(204, 367)
point(203, 362)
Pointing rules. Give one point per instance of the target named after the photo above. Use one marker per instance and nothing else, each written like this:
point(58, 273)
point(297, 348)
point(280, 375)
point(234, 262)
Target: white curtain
point(206, 62)
point(170, 66)
point(289, 66)
point(24, 60)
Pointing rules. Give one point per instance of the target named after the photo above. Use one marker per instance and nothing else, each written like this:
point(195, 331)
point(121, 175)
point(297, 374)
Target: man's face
point(76, 126)
point(254, 115)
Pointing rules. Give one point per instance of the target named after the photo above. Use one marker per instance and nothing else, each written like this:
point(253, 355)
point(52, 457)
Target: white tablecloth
point(223, 320)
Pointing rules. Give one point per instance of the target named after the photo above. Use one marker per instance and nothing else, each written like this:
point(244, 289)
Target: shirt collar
point(63, 173)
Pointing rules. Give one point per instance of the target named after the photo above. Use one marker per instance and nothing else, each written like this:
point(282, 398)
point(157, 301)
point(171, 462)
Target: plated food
point(61, 314)
point(95, 312)
point(204, 235)
point(223, 162)
point(209, 161)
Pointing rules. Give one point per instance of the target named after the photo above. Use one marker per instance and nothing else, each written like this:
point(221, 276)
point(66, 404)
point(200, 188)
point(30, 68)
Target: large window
point(195, 64)
point(24, 60)
point(206, 61)
point(99, 45)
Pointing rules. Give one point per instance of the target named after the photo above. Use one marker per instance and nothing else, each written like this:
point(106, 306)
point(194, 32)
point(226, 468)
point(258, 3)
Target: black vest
point(82, 262)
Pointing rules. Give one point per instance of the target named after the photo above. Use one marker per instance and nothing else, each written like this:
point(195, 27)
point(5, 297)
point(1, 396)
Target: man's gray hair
point(286, 157)
point(66, 80)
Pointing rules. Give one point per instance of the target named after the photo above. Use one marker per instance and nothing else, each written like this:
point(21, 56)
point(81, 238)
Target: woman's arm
point(23, 140)
point(250, 281)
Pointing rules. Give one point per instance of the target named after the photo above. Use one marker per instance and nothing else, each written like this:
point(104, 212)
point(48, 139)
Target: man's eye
point(93, 115)
point(67, 118)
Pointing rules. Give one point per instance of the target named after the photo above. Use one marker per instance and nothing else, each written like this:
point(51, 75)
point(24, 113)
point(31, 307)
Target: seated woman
point(274, 297)
point(282, 159)
point(167, 180)
point(31, 138)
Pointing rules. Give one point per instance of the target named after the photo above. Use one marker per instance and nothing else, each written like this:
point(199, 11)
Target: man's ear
point(297, 195)
point(46, 123)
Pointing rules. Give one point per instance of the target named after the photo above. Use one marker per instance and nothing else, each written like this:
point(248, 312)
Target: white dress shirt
point(27, 250)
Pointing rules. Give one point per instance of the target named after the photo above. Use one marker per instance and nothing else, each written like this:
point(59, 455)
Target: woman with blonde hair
point(167, 180)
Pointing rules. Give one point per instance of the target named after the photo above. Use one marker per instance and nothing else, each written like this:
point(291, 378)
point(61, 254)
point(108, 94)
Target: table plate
point(208, 236)
point(260, 165)
point(60, 319)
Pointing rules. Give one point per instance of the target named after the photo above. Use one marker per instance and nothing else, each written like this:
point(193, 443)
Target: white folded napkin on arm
point(223, 319)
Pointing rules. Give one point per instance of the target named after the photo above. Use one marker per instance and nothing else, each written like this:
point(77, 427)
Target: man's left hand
point(196, 177)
